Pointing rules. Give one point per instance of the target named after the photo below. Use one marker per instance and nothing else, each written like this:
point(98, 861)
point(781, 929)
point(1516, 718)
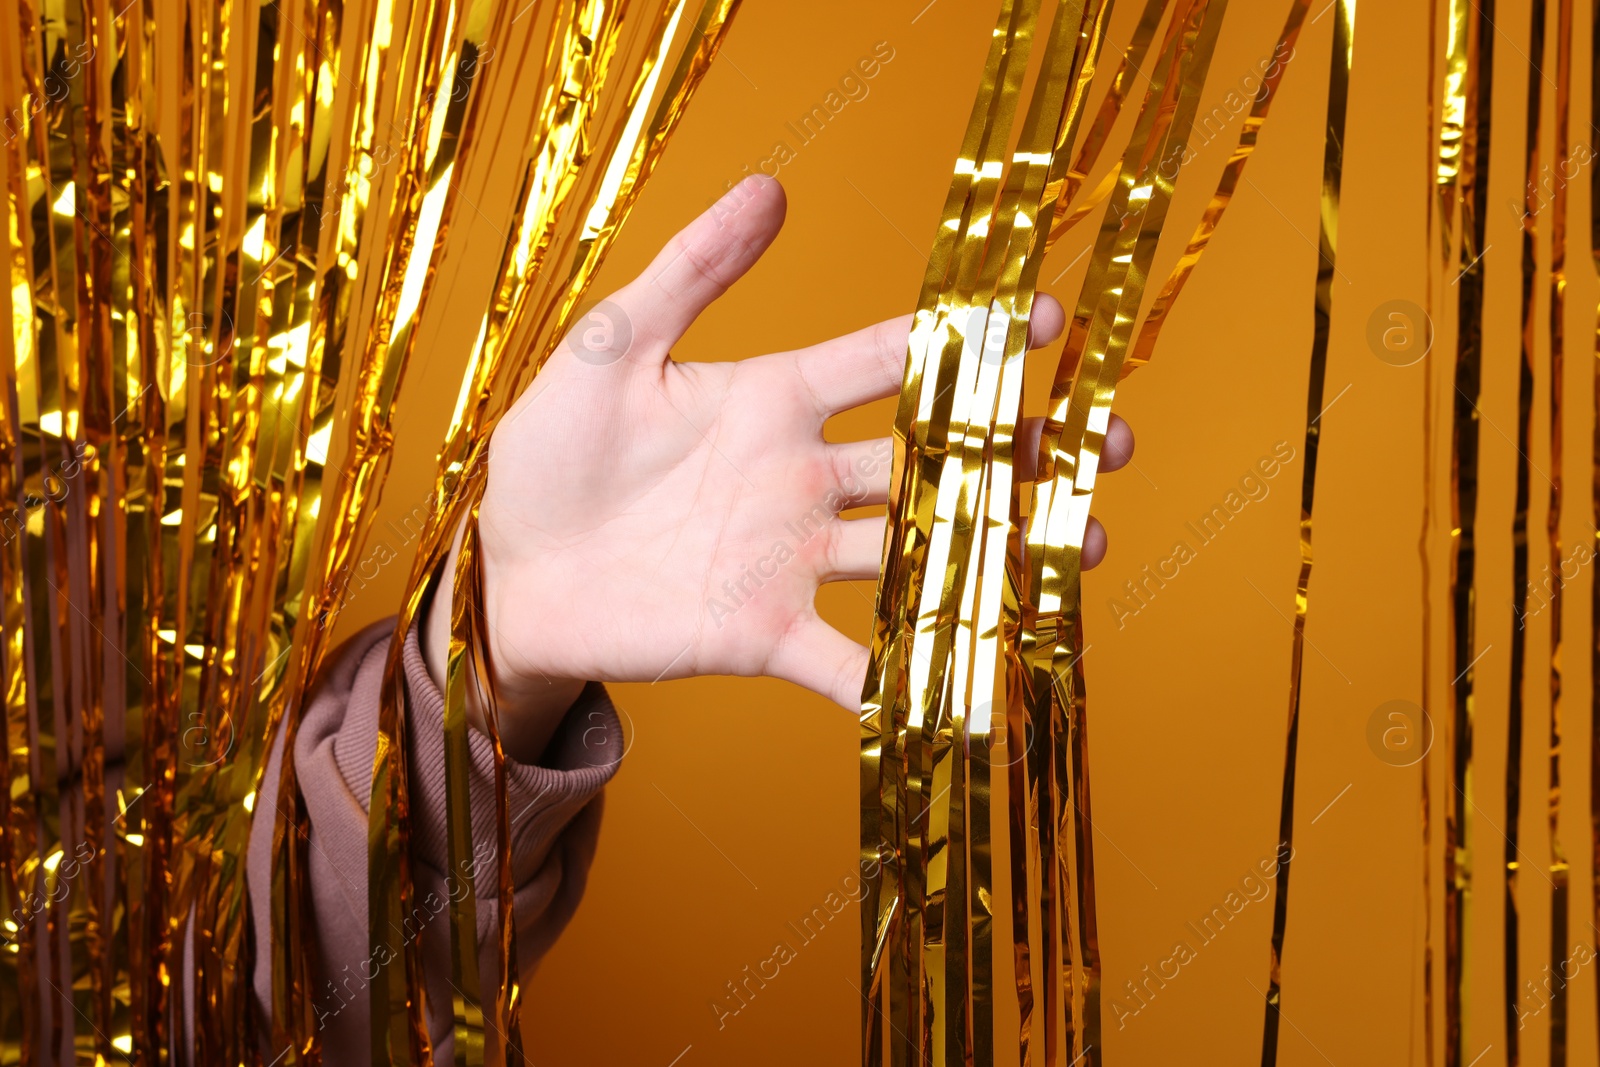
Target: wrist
point(530, 709)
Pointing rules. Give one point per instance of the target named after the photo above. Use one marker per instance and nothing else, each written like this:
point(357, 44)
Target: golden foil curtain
point(974, 748)
point(224, 223)
point(1461, 94)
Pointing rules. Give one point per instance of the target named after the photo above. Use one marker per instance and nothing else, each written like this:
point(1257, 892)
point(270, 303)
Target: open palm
point(648, 519)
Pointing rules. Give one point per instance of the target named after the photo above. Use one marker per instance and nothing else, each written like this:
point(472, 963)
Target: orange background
point(735, 811)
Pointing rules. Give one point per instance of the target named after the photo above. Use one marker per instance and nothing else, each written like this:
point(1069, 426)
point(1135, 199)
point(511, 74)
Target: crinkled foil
point(1522, 664)
point(1464, 181)
point(1559, 866)
point(223, 225)
point(975, 814)
point(1342, 54)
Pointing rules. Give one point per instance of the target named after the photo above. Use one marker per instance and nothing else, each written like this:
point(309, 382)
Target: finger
point(1049, 318)
point(700, 263)
point(823, 660)
point(861, 470)
point(870, 364)
point(855, 550)
point(1116, 453)
point(1094, 544)
point(1025, 460)
point(1118, 449)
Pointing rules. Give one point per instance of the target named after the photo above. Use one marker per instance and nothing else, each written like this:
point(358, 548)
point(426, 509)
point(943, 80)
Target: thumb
point(699, 265)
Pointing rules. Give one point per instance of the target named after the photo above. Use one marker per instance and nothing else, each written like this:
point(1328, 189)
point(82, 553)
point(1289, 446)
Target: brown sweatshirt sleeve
point(554, 809)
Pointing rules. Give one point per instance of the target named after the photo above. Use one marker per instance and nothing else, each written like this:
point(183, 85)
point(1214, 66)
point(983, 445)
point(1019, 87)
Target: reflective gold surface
point(978, 608)
point(224, 223)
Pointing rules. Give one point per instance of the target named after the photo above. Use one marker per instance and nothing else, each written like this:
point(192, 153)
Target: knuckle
point(891, 348)
point(709, 260)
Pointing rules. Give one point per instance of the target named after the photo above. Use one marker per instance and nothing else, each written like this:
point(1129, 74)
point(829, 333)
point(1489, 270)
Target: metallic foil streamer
point(223, 225)
point(1434, 209)
point(1559, 867)
point(1529, 335)
point(1340, 60)
point(1594, 516)
point(1464, 149)
point(1448, 92)
point(1249, 132)
point(978, 606)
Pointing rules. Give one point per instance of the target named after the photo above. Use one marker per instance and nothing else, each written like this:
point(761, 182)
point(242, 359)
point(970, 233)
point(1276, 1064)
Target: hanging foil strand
point(1594, 518)
point(1470, 85)
point(219, 242)
point(1559, 867)
point(963, 587)
point(1339, 65)
point(1527, 352)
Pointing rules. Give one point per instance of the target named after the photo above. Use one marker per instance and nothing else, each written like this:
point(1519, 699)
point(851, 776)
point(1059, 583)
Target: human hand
point(648, 519)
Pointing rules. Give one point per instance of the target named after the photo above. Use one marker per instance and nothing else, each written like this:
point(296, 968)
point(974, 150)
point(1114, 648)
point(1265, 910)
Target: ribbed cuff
point(542, 799)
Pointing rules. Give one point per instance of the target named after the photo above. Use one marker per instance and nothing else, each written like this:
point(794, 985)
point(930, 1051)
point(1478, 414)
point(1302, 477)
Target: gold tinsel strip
point(464, 980)
point(1447, 139)
point(1468, 94)
point(958, 591)
point(1527, 354)
point(1105, 119)
point(221, 222)
point(1074, 436)
point(1341, 58)
point(19, 992)
point(1559, 867)
point(1249, 132)
point(893, 769)
point(1594, 518)
point(1434, 212)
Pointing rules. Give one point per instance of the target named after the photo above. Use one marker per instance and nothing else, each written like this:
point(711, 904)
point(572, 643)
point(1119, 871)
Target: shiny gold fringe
point(1559, 867)
point(1341, 58)
point(223, 225)
point(1519, 537)
point(978, 608)
point(1464, 150)
point(1594, 516)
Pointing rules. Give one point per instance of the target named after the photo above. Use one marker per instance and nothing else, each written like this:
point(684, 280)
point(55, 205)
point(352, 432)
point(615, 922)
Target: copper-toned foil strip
point(1339, 64)
point(314, 234)
point(895, 805)
point(1249, 131)
point(1594, 517)
point(1074, 435)
point(23, 836)
point(464, 980)
point(20, 1000)
point(1559, 867)
point(212, 213)
point(1527, 353)
point(513, 1029)
point(57, 646)
point(1468, 86)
